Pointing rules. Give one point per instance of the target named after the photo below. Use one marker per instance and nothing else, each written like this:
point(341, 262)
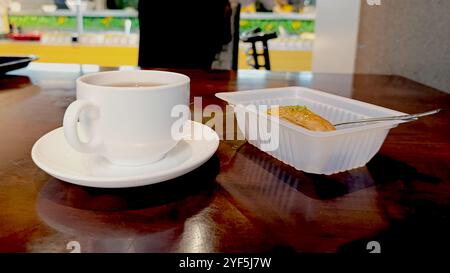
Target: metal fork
point(402, 117)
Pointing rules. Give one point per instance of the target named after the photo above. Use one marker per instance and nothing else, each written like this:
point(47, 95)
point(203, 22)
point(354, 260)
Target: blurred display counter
point(65, 20)
point(105, 43)
point(108, 20)
point(291, 23)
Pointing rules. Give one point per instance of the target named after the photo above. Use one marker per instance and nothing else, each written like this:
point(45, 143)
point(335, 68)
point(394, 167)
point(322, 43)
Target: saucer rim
point(133, 180)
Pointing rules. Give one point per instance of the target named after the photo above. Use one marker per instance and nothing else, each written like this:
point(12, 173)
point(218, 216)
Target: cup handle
point(70, 125)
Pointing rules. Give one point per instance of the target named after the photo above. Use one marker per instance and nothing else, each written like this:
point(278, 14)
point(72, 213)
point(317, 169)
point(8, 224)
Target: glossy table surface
point(241, 200)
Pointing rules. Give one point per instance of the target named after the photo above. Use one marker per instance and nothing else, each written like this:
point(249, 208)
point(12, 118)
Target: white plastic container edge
point(347, 148)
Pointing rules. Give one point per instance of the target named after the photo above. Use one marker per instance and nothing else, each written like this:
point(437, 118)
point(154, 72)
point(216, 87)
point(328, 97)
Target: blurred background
point(409, 38)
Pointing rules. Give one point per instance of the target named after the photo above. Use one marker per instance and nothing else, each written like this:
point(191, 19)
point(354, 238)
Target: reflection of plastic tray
point(9, 63)
point(315, 152)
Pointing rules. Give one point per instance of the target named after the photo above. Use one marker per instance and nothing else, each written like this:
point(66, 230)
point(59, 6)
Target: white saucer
point(56, 157)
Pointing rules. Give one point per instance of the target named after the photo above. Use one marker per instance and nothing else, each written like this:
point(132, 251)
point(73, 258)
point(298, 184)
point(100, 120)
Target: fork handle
point(402, 117)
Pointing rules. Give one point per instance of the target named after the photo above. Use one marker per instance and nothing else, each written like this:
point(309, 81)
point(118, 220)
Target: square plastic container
point(346, 148)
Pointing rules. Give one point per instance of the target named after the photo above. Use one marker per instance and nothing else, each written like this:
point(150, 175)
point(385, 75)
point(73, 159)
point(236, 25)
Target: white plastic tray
point(346, 148)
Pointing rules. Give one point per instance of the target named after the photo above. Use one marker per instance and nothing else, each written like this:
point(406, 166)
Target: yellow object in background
point(78, 54)
point(128, 55)
point(4, 23)
point(283, 8)
point(282, 60)
point(249, 8)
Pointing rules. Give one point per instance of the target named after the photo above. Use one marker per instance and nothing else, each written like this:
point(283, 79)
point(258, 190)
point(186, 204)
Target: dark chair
point(182, 34)
point(257, 36)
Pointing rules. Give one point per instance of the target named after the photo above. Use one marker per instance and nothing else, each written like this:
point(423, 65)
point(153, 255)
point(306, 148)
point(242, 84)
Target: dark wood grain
point(241, 200)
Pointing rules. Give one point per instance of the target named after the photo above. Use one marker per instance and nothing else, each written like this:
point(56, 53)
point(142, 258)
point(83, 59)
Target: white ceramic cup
point(126, 125)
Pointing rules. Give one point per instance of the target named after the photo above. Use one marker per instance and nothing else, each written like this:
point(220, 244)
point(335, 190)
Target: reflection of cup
point(153, 218)
point(120, 230)
point(126, 115)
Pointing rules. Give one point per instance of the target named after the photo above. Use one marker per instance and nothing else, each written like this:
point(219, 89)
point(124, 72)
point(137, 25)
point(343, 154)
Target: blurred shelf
point(134, 13)
point(277, 16)
point(88, 13)
point(293, 23)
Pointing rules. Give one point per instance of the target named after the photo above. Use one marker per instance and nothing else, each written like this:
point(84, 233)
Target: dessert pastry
point(300, 115)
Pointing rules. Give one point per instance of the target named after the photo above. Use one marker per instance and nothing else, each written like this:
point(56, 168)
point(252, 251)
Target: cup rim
point(185, 80)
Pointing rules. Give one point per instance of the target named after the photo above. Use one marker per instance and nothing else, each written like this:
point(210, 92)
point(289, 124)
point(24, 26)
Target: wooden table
point(241, 200)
